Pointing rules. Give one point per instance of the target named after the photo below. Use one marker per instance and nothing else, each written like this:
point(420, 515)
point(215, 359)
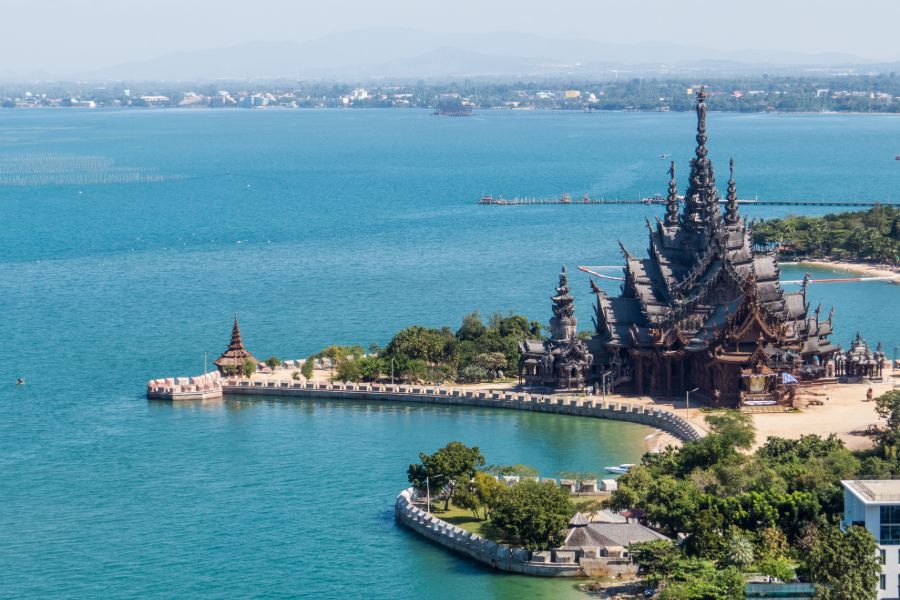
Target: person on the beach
point(869, 395)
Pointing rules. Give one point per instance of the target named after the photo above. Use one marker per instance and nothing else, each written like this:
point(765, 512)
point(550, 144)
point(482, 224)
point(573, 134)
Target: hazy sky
point(77, 35)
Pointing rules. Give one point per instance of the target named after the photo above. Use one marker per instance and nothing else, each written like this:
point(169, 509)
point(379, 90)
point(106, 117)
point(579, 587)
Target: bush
point(472, 374)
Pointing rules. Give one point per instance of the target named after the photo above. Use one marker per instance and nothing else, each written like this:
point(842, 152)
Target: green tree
point(843, 565)
point(657, 559)
point(415, 370)
point(422, 343)
point(887, 406)
point(307, 368)
point(273, 362)
point(249, 367)
point(533, 514)
point(444, 469)
point(481, 492)
point(779, 568)
point(519, 470)
point(472, 327)
point(738, 549)
point(492, 363)
point(348, 370)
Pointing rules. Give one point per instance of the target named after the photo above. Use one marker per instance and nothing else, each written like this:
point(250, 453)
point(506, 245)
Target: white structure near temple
point(875, 505)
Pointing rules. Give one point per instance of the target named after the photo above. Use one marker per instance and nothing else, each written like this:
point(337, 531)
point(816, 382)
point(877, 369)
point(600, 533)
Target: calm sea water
point(130, 238)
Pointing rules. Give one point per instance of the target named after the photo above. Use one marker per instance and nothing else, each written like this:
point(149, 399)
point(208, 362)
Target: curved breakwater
point(559, 404)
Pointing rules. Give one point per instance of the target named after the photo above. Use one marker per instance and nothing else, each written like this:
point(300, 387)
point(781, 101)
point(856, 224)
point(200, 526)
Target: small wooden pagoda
point(231, 362)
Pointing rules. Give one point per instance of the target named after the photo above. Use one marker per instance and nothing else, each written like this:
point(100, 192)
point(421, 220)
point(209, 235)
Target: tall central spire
point(701, 200)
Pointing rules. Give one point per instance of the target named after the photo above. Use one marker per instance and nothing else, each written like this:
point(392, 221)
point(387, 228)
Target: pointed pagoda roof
point(701, 200)
point(732, 217)
point(563, 302)
point(672, 198)
point(236, 354)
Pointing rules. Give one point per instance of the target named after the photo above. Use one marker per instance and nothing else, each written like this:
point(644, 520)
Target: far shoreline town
point(828, 93)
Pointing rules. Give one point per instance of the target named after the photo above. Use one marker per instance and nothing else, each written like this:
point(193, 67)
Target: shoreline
point(869, 269)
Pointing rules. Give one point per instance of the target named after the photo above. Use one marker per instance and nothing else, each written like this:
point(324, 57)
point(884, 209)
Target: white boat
point(621, 469)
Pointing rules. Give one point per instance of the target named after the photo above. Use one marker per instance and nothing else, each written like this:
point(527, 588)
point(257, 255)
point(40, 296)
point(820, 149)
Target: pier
point(566, 199)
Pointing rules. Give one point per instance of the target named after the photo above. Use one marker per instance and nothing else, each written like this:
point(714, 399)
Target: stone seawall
point(559, 404)
point(472, 545)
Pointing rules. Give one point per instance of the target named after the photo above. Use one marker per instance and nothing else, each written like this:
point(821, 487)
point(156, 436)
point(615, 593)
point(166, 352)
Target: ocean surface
point(129, 239)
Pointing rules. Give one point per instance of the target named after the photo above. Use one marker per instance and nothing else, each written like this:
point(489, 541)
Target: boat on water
point(620, 469)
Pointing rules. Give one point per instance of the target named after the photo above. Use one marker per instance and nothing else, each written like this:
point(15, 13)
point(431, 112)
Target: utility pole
point(428, 492)
point(687, 402)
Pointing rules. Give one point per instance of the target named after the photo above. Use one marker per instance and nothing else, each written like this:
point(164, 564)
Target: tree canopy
point(445, 469)
point(873, 234)
point(533, 514)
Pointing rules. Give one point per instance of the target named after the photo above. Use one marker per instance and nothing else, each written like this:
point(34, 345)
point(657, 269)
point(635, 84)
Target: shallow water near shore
point(130, 238)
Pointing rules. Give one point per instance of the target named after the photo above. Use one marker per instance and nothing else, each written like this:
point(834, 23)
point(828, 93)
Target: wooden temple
point(231, 362)
point(563, 362)
point(705, 308)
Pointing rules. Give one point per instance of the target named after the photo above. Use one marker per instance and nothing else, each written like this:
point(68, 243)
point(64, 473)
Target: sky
point(65, 36)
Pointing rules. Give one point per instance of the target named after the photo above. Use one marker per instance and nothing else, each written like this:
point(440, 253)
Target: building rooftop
point(875, 491)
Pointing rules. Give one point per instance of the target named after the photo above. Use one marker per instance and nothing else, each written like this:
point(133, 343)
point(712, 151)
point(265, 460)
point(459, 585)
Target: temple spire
point(672, 198)
point(698, 209)
point(563, 323)
point(731, 208)
point(231, 362)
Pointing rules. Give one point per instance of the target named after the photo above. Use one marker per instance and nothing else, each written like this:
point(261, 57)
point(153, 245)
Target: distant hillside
point(386, 52)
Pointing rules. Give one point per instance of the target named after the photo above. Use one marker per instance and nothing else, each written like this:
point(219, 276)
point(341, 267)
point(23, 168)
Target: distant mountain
point(388, 52)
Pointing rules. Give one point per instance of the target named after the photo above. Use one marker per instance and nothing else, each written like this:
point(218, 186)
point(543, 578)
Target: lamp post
point(428, 492)
point(687, 401)
point(603, 383)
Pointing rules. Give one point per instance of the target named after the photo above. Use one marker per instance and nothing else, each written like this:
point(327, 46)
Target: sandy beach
point(869, 270)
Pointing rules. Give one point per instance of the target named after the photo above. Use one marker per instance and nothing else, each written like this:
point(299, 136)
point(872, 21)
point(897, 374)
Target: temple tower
point(731, 208)
point(701, 200)
point(672, 198)
point(232, 360)
point(563, 324)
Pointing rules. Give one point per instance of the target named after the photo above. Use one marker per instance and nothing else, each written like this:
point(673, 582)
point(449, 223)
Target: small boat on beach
point(619, 470)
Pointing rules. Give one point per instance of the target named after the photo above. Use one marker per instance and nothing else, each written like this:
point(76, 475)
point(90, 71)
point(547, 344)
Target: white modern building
point(876, 506)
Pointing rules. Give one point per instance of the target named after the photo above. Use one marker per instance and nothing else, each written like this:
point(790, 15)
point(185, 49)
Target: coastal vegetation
point(771, 512)
point(872, 235)
point(527, 513)
point(475, 352)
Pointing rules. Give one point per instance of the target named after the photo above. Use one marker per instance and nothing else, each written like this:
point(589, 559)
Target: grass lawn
point(465, 519)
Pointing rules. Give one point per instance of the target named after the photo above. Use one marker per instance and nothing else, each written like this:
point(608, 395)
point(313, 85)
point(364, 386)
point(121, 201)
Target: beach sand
point(869, 270)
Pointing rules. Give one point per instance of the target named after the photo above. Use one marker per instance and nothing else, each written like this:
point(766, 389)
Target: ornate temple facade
point(704, 308)
point(231, 362)
point(563, 362)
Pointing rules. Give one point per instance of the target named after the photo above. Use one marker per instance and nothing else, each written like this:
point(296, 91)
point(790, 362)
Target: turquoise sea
point(130, 238)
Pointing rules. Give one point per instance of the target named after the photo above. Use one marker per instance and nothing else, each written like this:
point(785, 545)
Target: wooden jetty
point(566, 199)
